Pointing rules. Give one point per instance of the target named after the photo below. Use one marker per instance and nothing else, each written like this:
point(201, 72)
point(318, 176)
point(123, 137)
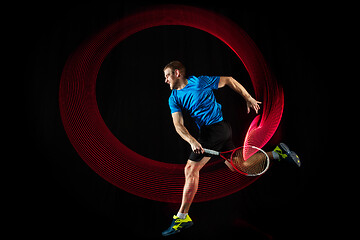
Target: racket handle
point(212, 152)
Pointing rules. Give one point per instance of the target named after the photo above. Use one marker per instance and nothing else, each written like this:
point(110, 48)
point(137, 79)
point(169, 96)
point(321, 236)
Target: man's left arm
point(237, 87)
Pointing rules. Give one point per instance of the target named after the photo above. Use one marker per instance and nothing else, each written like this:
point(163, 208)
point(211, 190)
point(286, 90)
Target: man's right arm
point(178, 121)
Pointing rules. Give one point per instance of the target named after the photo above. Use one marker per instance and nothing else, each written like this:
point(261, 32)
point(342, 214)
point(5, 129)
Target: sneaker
point(177, 225)
point(287, 155)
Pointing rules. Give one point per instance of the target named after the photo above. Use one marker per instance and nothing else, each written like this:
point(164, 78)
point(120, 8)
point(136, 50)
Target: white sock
point(275, 155)
point(181, 215)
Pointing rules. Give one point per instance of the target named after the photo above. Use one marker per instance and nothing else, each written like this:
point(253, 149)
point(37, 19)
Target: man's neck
point(182, 83)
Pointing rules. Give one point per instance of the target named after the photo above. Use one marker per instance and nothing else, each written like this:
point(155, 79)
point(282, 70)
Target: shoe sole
point(293, 156)
point(284, 147)
point(178, 231)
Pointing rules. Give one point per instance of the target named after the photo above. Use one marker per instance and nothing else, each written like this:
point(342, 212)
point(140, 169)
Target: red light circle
point(126, 169)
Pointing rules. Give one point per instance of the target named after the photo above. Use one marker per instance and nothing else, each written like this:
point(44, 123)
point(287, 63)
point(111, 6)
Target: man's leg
point(281, 152)
point(192, 170)
point(182, 219)
point(246, 164)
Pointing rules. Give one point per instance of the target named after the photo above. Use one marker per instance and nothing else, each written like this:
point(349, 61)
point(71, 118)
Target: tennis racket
point(247, 160)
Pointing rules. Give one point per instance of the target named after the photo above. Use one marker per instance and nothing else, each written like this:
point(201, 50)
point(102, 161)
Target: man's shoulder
point(197, 78)
point(172, 94)
point(202, 78)
point(192, 78)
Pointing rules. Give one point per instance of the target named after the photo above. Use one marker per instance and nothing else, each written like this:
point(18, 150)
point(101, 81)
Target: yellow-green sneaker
point(285, 154)
point(177, 225)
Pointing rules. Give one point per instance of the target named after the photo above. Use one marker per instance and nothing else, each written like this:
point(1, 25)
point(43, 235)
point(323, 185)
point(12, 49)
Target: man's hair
point(176, 65)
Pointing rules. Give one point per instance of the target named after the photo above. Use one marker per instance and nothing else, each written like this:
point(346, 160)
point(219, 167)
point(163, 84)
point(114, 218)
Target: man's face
point(170, 78)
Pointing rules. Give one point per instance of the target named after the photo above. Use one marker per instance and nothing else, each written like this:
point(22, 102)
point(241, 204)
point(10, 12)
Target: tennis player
point(195, 96)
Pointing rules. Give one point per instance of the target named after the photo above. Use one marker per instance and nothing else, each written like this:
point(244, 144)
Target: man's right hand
point(196, 146)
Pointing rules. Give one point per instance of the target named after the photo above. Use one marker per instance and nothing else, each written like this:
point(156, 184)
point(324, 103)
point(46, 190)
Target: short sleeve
point(174, 107)
point(211, 81)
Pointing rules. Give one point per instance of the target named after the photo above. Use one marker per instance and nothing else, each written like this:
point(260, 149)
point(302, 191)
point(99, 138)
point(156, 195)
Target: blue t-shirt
point(197, 98)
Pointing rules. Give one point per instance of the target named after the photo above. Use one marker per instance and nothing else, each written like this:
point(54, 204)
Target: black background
point(69, 199)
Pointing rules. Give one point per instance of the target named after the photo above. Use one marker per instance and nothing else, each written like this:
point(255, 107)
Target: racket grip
point(212, 152)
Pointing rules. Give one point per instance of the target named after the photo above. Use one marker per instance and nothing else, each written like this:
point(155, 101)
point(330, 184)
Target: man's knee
point(191, 169)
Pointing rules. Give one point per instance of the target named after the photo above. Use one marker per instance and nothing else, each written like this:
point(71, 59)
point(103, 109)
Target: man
point(195, 96)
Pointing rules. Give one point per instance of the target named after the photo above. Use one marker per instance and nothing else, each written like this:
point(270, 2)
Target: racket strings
point(250, 161)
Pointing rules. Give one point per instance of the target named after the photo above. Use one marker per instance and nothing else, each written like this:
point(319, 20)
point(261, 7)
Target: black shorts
point(217, 136)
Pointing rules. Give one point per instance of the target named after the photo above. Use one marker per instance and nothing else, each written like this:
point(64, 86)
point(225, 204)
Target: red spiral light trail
point(128, 170)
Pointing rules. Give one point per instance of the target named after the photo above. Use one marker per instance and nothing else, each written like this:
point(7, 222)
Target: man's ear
point(177, 73)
